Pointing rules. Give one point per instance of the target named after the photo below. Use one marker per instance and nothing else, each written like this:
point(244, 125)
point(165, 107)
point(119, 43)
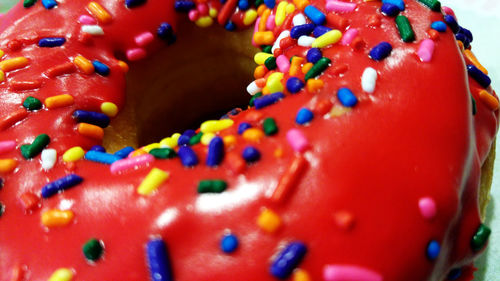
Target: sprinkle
point(274, 82)
point(322, 106)
point(86, 19)
point(73, 154)
point(136, 54)
point(434, 5)
point(243, 126)
point(347, 97)
point(101, 68)
point(12, 118)
point(290, 178)
point(29, 201)
point(284, 34)
point(49, 158)
point(294, 85)
point(62, 274)
point(7, 165)
point(399, 3)
point(267, 100)
point(29, 3)
point(163, 153)
point(99, 12)
point(314, 55)
point(427, 207)
point(134, 3)
point(166, 33)
point(25, 85)
point(144, 39)
point(270, 3)
point(283, 63)
point(184, 6)
point(263, 37)
point(470, 56)
point(349, 36)
point(109, 109)
point(98, 148)
point(212, 186)
point(300, 275)
point(83, 64)
point(405, 29)
point(229, 243)
point(50, 42)
point(65, 68)
point(59, 101)
point(479, 76)
point(304, 116)
point(101, 157)
point(349, 272)
point(214, 126)
point(124, 152)
point(94, 118)
point(381, 51)
point(301, 30)
point(280, 13)
point(93, 30)
point(305, 41)
point(318, 68)
point(270, 63)
point(250, 17)
point(339, 6)
point(55, 217)
point(49, 4)
point(389, 10)
point(269, 221)
point(31, 150)
point(433, 249)
point(253, 135)
point(152, 181)
point(480, 238)
point(215, 152)
point(250, 154)
point(31, 103)
point(337, 21)
point(261, 57)
point(315, 15)
point(2, 76)
point(91, 131)
point(288, 259)
point(426, 50)
point(344, 220)
point(329, 38)
point(488, 99)
point(439, 26)
point(13, 64)
point(299, 19)
point(93, 249)
point(297, 140)
point(227, 11)
point(7, 146)
point(60, 185)
point(188, 156)
point(134, 163)
point(452, 23)
point(158, 260)
point(455, 274)
point(369, 80)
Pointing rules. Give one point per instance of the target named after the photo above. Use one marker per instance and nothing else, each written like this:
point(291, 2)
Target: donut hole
point(202, 76)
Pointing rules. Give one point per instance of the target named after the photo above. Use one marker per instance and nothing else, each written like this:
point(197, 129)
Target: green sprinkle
point(195, 139)
point(270, 127)
point(31, 150)
point(267, 49)
point(29, 3)
point(2, 209)
point(270, 63)
point(480, 238)
point(258, 3)
point(320, 66)
point(31, 103)
point(92, 250)
point(253, 98)
point(474, 105)
point(405, 30)
point(163, 153)
point(434, 5)
point(212, 186)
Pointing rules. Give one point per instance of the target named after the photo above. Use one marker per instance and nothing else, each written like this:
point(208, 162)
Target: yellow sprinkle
point(73, 154)
point(2, 53)
point(137, 152)
point(307, 67)
point(329, 38)
point(152, 181)
point(250, 17)
point(2, 76)
point(301, 4)
point(280, 13)
point(205, 21)
point(213, 12)
point(263, 37)
point(109, 109)
point(99, 12)
point(269, 221)
point(13, 64)
point(124, 66)
point(168, 142)
point(274, 82)
point(253, 135)
point(229, 140)
point(55, 217)
point(339, 110)
point(84, 64)
point(265, 91)
point(7, 165)
point(206, 138)
point(313, 85)
point(62, 274)
point(301, 275)
point(290, 8)
point(59, 101)
point(261, 57)
point(214, 126)
point(150, 147)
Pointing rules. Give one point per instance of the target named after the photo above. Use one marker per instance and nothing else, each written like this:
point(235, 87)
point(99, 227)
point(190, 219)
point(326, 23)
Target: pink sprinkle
point(203, 9)
point(339, 6)
point(426, 50)
point(297, 140)
point(136, 54)
point(349, 36)
point(255, 29)
point(283, 63)
point(7, 146)
point(349, 273)
point(270, 23)
point(449, 11)
point(135, 163)
point(144, 38)
point(427, 207)
point(87, 20)
point(194, 15)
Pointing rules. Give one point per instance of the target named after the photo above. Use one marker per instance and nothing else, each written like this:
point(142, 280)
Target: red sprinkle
point(13, 118)
point(25, 85)
point(226, 11)
point(344, 220)
point(290, 178)
point(337, 21)
point(236, 163)
point(323, 107)
point(29, 201)
point(58, 70)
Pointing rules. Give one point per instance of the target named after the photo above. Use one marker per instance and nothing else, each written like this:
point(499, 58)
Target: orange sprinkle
point(84, 65)
point(269, 221)
point(229, 140)
point(489, 100)
point(7, 165)
point(253, 135)
point(266, 91)
point(313, 85)
point(263, 37)
point(261, 9)
point(253, 116)
point(65, 68)
point(263, 20)
point(278, 152)
point(137, 152)
point(261, 82)
point(433, 34)
point(13, 118)
point(13, 64)
point(91, 131)
point(307, 67)
point(59, 101)
point(123, 65)
point(301, 4)
point(461, 45)
point(259, 72)
point(53, 218)
point(295, 65)
point(99, 12)
point(470, 56)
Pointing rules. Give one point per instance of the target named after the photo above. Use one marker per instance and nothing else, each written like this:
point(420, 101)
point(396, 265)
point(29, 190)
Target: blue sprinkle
point(315, 15)
point(215, 152)
point(346, 97)
point(398, 3)
point(467, 33)
point(270, 3)
point(304, 116)
point(390, 10)
point(99, 148)
point(183, 140)
point(479, 76)
point(230, 26)
point(158, 260)
point(101, 157)
point(381, 51)
point(124, 152)
point(229, 243)
point(267, 100)
point(101, 68)
point(60, 185)
point(91, 117)
point(166, 33)
point(314, 55)
point(243, 126)
point(49, 4)
point(190, 133)
point(243, 5)
point(251, 154)
point(184, 6)
point(187, 156)
point(320, 30)
point(50, 42)
point(439, 26)
point(300, 30)
point(294, 85)
point(462, 38)
point(134, 3)
point(433, 250)
point(455, 274)
point(288, 259)
point(452, 23)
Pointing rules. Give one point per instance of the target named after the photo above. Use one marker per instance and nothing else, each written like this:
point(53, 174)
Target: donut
point(364, 153)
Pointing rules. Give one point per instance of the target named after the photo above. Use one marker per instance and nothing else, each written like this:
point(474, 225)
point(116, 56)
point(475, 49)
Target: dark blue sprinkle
point(243, 126)
point(390, 9)
point(251, 154)
point(134, 3)
point(166, 33)
point(60, 185)
point(270, 3)
point(294, 85)
point(187, 156)
point(300, 30)
point(230, 26)
point(304, 116)
point(315, 15)
point(189, 133)
point(398, 3)
point(184, 6)
point(50, 42)
point(381, 51)
point(243, 5)
point(433, 249)
point(467, 33)
point(235, 111)
point(288, 259)
point(101, 68)
point(320, 30)
point(229, 243)
point(314, 55)
point(452, 23)
point(479, 76)
point(91, 117)
point(124, 152)
point(455, 274)
point(223, 1)
point(49, 4)
point(215, 152)
point(346, 97)
point(99, 148)
point(462, 38)
point(439, 26)
point(267, 100)
point(183, 140)
point(1, 183)
point(101, 157)
point(158, 259)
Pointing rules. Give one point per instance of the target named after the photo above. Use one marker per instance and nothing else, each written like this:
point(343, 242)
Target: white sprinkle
point(299, 19)
point(305, 41)
point(92, 29)
point(369, 80)
point(283, 34)
point(253, 89)
point(49, 158)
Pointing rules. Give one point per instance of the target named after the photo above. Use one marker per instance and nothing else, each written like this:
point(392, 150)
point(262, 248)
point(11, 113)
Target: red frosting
point(354, 203)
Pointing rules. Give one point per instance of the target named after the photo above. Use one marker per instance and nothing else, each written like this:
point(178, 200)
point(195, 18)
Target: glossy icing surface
point(354, 203)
